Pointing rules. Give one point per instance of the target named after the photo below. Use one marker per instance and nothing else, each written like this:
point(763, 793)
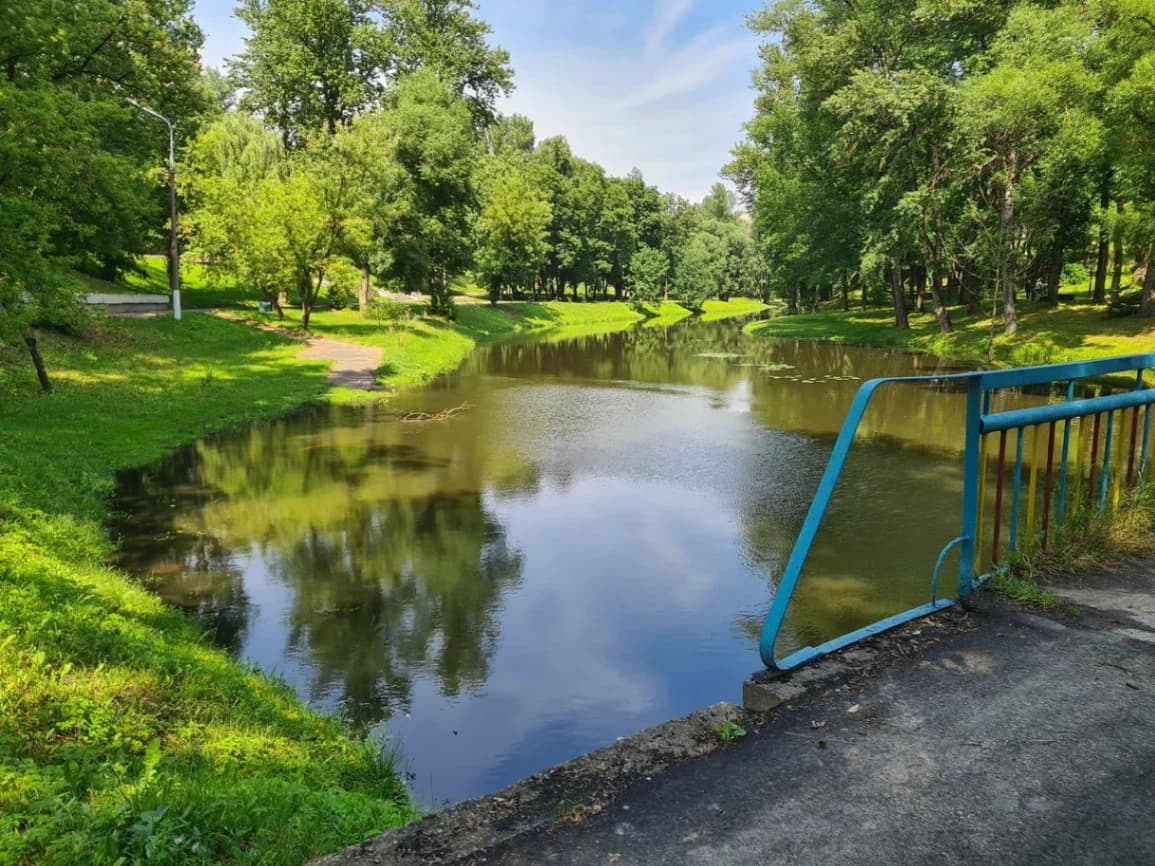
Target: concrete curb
point(566, 794)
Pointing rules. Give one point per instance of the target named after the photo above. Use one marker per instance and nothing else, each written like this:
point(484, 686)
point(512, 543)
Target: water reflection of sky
point(589, 653)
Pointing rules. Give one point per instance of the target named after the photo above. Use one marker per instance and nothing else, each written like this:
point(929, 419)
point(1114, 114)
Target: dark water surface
point(585, 550)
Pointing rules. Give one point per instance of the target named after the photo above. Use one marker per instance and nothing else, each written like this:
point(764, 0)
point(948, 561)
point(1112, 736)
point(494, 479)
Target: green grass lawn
point(1046, 334)
point(488, 323)
point(124, 737)
point(665, 314)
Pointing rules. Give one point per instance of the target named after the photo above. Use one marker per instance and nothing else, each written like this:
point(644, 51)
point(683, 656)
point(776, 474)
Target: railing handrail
point(980, 421)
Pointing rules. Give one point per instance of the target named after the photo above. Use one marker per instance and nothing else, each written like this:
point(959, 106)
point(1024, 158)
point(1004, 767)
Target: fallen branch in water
point(443, 415)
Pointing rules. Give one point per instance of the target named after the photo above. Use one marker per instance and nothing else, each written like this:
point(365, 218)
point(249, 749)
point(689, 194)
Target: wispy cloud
point(667, 16)
point(702, 60)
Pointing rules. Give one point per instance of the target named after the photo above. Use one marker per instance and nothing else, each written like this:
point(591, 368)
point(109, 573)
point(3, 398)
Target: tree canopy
point(969, 148)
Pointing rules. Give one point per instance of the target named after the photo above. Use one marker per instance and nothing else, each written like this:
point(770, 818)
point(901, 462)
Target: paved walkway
point(354, 365)
point(1029, 739)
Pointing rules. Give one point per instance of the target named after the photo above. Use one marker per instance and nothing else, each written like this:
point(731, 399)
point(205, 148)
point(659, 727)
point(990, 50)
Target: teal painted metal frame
point(979, 421)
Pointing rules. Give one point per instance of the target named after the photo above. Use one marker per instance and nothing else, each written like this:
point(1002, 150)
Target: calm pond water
point(587, 549)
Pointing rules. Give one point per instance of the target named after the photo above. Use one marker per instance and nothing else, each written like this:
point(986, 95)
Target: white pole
point(173, 240)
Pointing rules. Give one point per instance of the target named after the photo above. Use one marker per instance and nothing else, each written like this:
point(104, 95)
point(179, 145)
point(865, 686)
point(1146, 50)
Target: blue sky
point(663, 85)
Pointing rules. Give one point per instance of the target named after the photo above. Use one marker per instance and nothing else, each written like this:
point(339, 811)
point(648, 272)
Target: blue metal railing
point(1104, 475)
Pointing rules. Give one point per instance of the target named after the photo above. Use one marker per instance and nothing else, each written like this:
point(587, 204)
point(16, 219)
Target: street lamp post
point(173, 243)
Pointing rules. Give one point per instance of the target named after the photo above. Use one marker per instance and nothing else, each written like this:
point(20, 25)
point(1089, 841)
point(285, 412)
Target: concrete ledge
point(117, 305)
point(765, 690)
point(561, 796)
point(97, 299)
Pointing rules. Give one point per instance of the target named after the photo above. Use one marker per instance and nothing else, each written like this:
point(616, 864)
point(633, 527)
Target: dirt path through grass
point(354, 365)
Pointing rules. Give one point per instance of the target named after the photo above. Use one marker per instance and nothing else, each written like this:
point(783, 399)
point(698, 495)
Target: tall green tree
point(512, 230)
point(428, 240)
point(312, 65)
point(1028, 104)
point(228, 173)
point(446, 36)
point(511, 133)
point(649, 272)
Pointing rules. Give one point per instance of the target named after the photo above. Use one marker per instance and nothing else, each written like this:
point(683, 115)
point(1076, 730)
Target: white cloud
point(668, 15)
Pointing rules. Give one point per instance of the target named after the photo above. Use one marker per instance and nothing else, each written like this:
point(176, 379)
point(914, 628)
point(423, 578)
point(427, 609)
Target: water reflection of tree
point(404, 587)
point(184, 565)
point(397, 567)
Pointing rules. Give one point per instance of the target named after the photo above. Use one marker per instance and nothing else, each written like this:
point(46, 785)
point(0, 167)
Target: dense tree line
point(367, 148)
point(953, 149)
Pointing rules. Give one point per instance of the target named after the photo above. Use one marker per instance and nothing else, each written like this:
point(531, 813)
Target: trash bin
point(265, 306)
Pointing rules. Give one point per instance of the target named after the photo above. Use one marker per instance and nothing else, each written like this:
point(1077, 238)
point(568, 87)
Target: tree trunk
point(1010, 320)
point(968, 286)
point(1100, 296)
point(847, 288)
point(941, 313)
point(363, 294)
point(900, 319)
point(864, 296)
point(1147, 305)
point(38, 361)
point(1055, 275)
point(309, 296)
point(918, 277)
point(1117, 274)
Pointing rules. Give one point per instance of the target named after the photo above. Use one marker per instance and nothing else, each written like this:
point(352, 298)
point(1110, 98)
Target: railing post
point(971, 472)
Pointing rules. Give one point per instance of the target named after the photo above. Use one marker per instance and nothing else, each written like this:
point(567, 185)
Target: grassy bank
point(419, 348)
point(124, 738)
point(713, 311)
point(1046, 334)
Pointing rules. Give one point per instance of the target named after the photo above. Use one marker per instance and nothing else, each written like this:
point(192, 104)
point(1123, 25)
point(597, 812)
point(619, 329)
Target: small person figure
point(1037, 289)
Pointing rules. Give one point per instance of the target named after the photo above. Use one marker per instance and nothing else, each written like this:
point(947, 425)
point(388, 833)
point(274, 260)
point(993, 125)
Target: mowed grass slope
point(124, 737)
